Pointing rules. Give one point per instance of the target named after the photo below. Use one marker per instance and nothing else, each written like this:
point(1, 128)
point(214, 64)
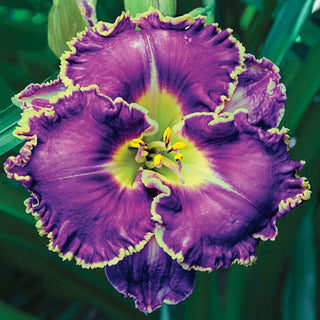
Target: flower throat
point(157, 154)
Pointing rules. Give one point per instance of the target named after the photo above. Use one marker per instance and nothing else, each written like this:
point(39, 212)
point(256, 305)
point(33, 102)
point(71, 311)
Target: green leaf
point(207, 11)
point(258, 4)
point(234, 291)
point(64, 22)
point(37, 5)
point(166, 7)
point(164, 312)
point(5, 93)
point(307, 137)
point(8, 141)
point(285, 29)
point(303, 89)
point(10, 313)
point(9, 118)
point(205, 302)
point(299, 297)
point(259, 27)
point(247, 17)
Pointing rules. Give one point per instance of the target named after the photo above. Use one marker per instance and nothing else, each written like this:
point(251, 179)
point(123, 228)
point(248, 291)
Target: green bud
point(166, 7)
point(88, 10)
point(64, 22)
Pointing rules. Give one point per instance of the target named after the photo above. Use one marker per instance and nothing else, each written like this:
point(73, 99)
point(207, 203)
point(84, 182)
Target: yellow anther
point(157, 160)
point(179, 156)
point(136, 143)
point(167, 136)
point(177, 146)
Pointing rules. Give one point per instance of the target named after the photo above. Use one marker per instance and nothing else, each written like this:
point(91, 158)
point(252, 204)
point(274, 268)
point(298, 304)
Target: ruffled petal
point(260, 92)
point(199, 64)
point(196, 65)
point(36, 95)
point(151, 277)
point(250, 182)
point(68, 164)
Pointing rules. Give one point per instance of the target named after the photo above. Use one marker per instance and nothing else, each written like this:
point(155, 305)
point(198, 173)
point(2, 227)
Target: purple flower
point(156, 153)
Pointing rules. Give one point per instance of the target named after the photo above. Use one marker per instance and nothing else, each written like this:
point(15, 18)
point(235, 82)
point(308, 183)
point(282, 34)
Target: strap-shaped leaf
point(304, 88)
point(299, 298)
point(167, 7)
point(9, 118)
point(285, 29)
point(8, 312)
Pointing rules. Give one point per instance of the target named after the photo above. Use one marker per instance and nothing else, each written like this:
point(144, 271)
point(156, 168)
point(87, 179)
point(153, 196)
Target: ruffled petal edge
point(25, 132)
point(243, 252)
point(152, 19)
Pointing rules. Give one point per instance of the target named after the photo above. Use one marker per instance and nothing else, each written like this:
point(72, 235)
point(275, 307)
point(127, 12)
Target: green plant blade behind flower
point(64, 21)
point(7, 312)
point(166, 7)
point(302, 91)
point(285, 29)
point(207, 11)
point(299, 297)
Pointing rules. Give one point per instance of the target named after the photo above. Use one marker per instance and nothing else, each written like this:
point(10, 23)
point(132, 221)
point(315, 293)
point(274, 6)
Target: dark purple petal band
point(151, 277)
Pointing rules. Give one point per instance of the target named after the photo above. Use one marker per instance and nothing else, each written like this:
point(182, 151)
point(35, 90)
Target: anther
point(177, 146)
point(136, 143)
point(179, 156)
point(157, 160)
point(167, 136)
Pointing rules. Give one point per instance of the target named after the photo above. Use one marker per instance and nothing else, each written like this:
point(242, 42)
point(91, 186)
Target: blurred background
point(36, 284)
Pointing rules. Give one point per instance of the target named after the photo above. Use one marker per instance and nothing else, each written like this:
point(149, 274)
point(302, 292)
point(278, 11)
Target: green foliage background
point(36, 284)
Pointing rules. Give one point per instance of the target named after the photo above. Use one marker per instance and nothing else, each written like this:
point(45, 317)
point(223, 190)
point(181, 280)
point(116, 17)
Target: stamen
point(173, 167)
point(136, 143)
point(141, 155)
point(177, 146)
point(179, 156)
point(157, 160)
point(167, 136)
point(151, 156)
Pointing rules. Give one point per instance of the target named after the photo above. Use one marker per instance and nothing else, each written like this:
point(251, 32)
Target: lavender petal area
point(253, 182)
point(66, 163)
point(151, 277)
point(197, 64)
point(260, 92)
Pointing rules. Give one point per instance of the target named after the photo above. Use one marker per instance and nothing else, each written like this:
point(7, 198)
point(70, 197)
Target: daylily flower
point(156, 153)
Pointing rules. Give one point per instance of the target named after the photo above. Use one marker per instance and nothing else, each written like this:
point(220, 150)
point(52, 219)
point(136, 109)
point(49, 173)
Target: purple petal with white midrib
point(197, 64)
